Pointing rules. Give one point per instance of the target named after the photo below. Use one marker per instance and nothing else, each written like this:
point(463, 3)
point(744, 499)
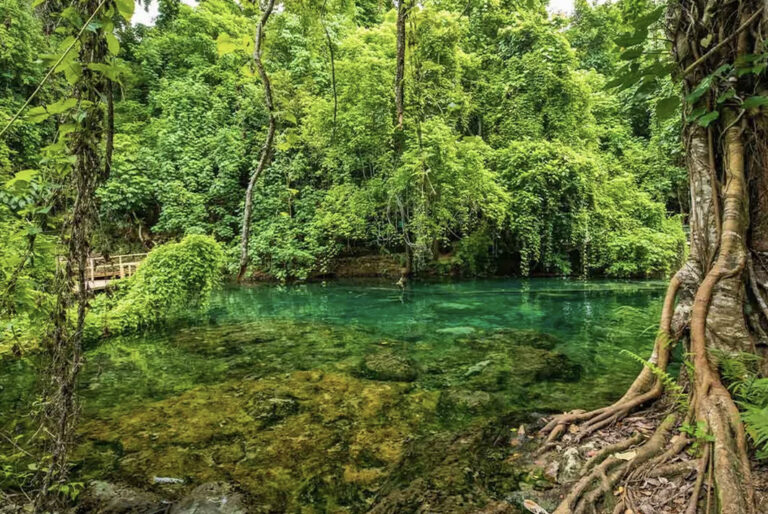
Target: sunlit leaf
point(113, 45)
point(125, 8)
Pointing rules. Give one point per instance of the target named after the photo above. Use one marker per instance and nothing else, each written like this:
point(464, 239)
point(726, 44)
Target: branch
point(724, 42)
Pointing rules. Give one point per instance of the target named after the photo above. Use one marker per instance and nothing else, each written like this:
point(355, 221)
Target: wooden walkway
point(101, 270)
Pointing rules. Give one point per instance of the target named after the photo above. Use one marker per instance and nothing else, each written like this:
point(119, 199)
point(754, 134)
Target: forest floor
point(646, 494)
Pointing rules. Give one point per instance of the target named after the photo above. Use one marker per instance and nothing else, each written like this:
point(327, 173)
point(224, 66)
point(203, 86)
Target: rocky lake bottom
point(347, 397)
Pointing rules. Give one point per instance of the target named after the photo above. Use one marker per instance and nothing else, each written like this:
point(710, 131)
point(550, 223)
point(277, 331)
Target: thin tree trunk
point(402, 15)
point(331, 53)
point(399, 132)
point(64, 343)
point(266, 149)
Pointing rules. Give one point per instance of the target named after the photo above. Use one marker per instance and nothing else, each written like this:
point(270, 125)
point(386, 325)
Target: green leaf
point(125, 8)
point(632, 53)
point(72, 72)
point(632, 39)
point(61, 106)
point(645, 21)
point(36, 115)
point(708, 118)
point(667, 107)
point(726, 96)
point(225, 44)
point(37, 2)
point(755, 101)
point(699, 90)
point(113, 45)
point(22, 178)
point(289, 116)
point(697, 113)
point(112, 72)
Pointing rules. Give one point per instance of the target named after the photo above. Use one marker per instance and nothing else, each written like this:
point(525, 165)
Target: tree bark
point(266, 149)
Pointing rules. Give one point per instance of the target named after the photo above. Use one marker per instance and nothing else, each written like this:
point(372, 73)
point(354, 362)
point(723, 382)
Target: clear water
point(265, 366)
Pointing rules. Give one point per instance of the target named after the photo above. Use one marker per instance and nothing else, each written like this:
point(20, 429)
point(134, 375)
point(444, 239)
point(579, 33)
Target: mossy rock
point(104, 498)
point(388, 366)
point(292, 442)
point(559, 367)
point(515, 337)
point(463, 402)
point(465, 472)
point(268, 410)
point(212, 498)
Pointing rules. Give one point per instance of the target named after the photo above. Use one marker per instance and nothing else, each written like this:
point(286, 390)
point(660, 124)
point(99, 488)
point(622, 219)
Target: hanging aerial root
point(646, 387)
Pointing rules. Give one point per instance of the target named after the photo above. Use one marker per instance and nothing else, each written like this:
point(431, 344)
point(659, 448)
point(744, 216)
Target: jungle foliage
point(516, 156)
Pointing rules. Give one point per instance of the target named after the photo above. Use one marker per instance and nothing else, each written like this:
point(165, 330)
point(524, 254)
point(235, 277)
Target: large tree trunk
point(723, 279)
point(266, 149)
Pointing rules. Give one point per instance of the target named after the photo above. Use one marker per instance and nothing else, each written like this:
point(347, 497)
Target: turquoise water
point(352, 370)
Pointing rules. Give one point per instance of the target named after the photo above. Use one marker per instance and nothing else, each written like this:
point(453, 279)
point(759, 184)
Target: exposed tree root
point(646, 387)
point(606, 475)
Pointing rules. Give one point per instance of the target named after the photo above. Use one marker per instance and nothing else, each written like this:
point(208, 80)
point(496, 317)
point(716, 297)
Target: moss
point(347, 431)
point(388, 365)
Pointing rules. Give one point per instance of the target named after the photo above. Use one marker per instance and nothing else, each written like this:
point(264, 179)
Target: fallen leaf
point(626, 455)
point(534, 507)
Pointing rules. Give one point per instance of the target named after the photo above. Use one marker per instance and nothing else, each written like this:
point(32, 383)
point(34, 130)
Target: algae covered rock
point(388, 366)
point(557, 366)
point(211, 498)
point(268, 410)
point(457, 402)
point(465, 472)
point(510, 337)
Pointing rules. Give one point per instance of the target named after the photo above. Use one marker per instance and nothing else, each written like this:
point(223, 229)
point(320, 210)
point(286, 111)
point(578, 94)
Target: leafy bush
point(173, 278)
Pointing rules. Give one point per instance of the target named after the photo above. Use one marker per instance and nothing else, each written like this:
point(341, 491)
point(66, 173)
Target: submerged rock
point(461, 402)
point(105, 498)
point(388, 366)
point(558, 367)
point(270, 410)
point(465, 472)
point(211, 498)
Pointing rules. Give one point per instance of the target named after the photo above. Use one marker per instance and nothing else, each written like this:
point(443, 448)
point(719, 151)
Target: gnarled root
point(646, 387)
point(606, 475)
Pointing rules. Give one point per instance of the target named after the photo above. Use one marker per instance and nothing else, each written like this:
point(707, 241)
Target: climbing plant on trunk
point(83, 160)
point(715, 305)
point(266, 149)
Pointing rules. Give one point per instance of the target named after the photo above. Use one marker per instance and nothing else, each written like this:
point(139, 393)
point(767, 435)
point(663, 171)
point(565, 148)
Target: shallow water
point(308, 396)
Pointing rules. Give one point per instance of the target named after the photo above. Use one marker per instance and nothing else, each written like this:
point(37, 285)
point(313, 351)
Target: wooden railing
point(100, 270)
point(117, 266)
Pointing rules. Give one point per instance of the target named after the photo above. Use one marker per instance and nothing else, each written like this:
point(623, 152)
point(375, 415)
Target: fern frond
point(756, 423)
point(670, 384)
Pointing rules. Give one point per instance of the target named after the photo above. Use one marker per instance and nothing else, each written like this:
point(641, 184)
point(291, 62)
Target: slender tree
point(399, 131)
point(715, 304)
point(91, 165)
point(266, 149)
